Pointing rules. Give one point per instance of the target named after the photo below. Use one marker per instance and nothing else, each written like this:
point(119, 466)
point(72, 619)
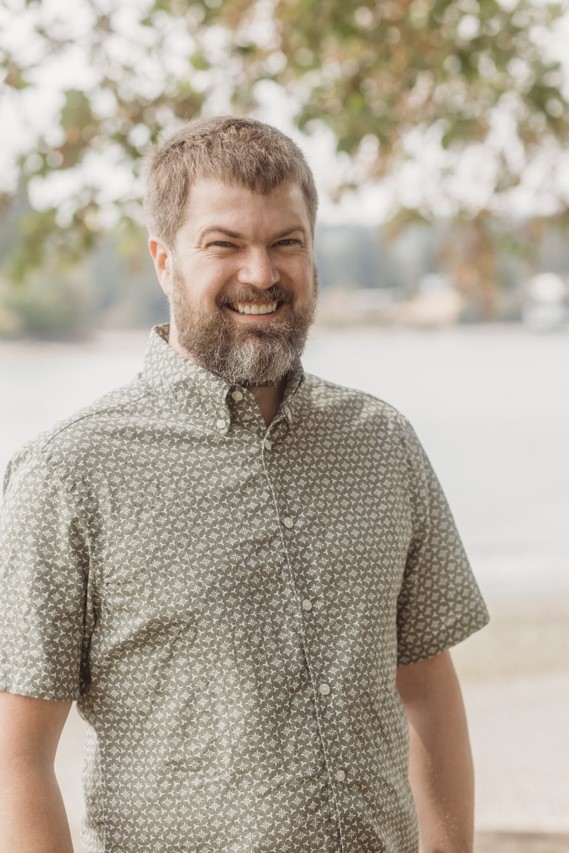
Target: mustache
point(275, 293)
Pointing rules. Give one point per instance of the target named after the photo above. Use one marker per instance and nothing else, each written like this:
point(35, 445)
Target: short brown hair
point(234, 150)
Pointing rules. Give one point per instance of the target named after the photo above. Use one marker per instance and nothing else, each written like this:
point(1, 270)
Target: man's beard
point(243, 354)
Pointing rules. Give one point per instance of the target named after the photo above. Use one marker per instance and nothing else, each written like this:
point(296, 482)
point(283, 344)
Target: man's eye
point(220, 244)
point(289, 242)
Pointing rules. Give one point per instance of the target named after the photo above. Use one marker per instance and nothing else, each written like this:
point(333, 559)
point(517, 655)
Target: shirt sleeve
point(43, 571)
point(439, 603)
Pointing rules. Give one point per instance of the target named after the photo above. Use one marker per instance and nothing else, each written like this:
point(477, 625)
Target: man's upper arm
point(44, 560)
point(439, 602)
point(30, 728)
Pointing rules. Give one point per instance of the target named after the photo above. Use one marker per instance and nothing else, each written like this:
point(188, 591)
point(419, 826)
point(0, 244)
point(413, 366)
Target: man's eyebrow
point(290, 231)
point(221, 229)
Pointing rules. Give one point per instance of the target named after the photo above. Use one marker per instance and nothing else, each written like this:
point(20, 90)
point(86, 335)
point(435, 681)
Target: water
point(490, 404)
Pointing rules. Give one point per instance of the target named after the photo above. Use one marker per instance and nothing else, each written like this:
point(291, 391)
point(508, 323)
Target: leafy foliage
point(393, 79)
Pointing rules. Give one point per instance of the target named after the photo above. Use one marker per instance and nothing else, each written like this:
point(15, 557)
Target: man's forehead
point(212, 202)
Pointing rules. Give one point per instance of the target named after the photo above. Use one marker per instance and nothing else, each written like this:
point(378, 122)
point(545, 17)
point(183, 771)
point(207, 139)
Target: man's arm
point(32, 814)
point(440, 762)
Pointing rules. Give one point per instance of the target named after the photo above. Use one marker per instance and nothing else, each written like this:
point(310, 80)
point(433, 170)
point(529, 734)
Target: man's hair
point(237, 151)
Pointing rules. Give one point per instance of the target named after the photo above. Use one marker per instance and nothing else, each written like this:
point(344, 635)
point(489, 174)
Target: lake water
point(490, 404)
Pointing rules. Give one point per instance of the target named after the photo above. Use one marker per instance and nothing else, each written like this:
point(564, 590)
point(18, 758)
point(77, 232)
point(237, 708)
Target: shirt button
point(306, 604)
point(237, 395)
point(340, 775)
point(324, 688)
point(220, 424)
point(288, 522)
point(268, 444)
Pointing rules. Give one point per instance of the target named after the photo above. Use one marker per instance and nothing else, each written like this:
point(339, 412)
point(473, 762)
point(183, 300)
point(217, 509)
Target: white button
point(220, 424)
point(288, 522)
point(340, 775)
point(324, 688)
point(307, 604)
point(268, 444)
point(237, 395)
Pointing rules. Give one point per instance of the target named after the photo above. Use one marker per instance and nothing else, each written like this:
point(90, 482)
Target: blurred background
point(439, 136)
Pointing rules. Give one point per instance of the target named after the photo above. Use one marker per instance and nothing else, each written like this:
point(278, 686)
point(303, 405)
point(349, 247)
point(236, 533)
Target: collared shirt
point(228, 604)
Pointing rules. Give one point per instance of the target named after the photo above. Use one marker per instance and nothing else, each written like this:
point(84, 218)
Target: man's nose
point(258, 269)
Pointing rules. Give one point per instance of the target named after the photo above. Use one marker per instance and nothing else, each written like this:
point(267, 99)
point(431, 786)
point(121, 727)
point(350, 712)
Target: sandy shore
point(521, 842)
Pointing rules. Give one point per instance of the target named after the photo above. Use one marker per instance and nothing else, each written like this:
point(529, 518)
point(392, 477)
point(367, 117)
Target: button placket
point(321, 690)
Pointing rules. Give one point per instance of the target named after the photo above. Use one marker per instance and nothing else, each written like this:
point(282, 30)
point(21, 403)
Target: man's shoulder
point(336, 400)
point(73, 439)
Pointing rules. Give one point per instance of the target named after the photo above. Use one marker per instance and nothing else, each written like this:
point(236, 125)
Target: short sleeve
point(439, 603)
point(43, 570)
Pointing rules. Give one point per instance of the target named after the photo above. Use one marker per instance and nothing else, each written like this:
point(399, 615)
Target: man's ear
point(162, 258)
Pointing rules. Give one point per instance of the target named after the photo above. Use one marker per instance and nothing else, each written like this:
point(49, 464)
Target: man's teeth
point(253, 308)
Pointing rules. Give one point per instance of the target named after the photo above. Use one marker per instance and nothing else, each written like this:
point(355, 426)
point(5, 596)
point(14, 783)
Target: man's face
point(243, 283)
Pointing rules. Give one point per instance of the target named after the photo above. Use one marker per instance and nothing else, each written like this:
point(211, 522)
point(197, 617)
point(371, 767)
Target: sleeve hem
point(48, 693)
point(441, 644)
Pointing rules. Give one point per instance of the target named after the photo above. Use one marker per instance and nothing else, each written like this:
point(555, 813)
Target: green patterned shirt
point(228, 604)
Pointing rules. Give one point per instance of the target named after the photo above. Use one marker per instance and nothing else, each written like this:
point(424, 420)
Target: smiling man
point(240, 277)
point(248, 578)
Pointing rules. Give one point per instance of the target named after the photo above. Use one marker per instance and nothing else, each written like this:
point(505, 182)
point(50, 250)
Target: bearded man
point(248, 578)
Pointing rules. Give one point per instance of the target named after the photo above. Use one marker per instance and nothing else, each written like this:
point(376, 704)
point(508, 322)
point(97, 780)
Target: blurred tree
point(47, 305)
point(452, 103)
point(353, 256)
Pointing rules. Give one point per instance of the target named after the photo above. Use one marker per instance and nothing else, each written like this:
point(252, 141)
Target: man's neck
point(269, 398)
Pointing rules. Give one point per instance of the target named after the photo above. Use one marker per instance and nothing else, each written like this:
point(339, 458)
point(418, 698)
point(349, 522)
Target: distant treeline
point(115, 285)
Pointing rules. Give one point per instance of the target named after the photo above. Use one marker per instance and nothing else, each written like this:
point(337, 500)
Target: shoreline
point(504, 841)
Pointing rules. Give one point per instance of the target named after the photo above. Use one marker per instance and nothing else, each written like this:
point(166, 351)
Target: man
point(248, 578)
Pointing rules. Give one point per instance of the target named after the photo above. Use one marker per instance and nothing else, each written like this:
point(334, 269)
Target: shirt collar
point(167, 370)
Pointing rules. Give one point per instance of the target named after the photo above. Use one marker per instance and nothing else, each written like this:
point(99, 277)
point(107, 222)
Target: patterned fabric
point(228, 604)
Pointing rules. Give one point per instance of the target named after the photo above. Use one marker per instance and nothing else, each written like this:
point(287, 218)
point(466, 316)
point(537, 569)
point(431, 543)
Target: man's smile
point(255, 308)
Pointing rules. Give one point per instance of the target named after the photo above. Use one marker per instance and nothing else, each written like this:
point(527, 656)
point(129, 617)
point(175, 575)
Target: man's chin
point(264, 372)
point(243, 352)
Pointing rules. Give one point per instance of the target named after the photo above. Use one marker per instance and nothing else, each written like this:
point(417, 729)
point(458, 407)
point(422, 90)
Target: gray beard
point(247, 357)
